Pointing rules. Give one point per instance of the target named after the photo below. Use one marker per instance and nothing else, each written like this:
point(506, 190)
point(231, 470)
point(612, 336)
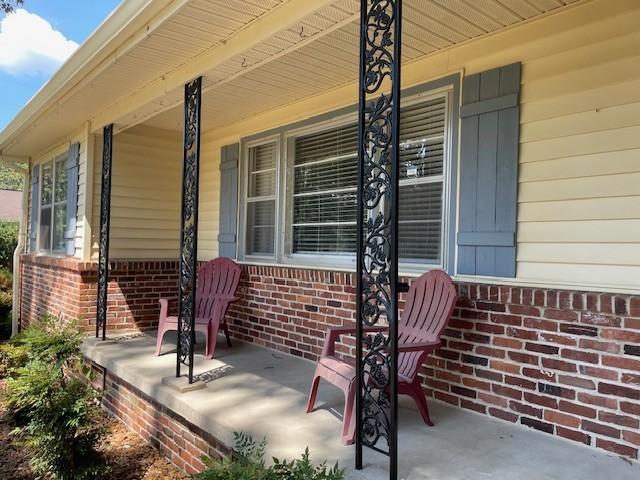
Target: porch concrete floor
point(262, 392)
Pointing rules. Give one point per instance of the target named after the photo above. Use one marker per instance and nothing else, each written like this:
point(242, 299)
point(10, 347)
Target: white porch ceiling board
point(332, 59)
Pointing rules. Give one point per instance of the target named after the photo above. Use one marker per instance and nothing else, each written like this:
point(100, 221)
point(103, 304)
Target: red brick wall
point(67, 287)
point(565, 363)
point(178, 439)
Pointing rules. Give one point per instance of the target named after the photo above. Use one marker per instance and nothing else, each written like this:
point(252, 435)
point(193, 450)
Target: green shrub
point(8, 243)
point(12, 357)
point(247, 463)
point(56, 410)
point(6, 302)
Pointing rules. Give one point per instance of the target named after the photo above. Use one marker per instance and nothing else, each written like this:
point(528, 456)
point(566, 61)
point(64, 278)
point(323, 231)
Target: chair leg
point(225, 327)
point(313, 393)
point(348, 419)
point(415, 391)
point(212, 337)
point(162, 329)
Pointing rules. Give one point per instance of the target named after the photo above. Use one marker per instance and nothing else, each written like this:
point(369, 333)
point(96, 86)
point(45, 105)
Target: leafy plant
point(12, 357)
point(247, 463)
point(57, 412)
point(8, 242)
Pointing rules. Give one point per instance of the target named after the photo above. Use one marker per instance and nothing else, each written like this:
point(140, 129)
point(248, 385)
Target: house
point(10, 205)
point(519, 136)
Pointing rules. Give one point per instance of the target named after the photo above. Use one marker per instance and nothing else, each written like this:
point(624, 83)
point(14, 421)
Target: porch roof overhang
point(255, 56)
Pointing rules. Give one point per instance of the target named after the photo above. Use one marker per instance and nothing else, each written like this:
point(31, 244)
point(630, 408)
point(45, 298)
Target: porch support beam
point(264, 27)
point(105, 218)
point(189, 227)
point(377, 233)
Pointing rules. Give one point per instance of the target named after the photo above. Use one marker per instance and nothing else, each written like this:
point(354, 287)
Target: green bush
point(57, 411)
point(8, 243)
point(12, 357)
point(247, 463)
point(6, 302)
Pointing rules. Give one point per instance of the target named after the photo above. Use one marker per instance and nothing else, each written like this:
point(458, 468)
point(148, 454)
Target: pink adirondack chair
point(216, 287)
point(427, 310)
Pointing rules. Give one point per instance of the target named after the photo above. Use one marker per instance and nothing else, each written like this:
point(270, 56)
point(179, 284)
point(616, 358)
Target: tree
point(8, 6)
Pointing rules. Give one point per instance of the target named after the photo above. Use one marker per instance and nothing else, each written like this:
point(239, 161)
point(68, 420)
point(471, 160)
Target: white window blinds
point(422, 135)
point(324, 192)
point(261, 199)
point(324, 181)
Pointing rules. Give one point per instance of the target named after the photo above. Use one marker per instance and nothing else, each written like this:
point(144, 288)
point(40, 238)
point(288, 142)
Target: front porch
point(263, 392)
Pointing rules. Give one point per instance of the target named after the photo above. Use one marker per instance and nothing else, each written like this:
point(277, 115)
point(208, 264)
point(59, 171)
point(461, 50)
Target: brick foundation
point(566, 363)
point(178, 439)
point(67, 287)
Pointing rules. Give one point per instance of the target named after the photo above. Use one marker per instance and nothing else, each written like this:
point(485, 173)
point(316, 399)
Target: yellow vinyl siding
point(209, 213)
point(579, 194)
point(579, 190)
point(145, 194)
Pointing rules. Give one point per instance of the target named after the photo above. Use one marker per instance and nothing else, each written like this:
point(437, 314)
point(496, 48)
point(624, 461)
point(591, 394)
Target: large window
point(318, 194)
point(53, 205)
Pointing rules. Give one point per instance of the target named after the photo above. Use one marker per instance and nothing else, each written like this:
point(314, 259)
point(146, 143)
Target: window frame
point(449, 87)
point(286, 232)
point(61, 158)
point(243, 178)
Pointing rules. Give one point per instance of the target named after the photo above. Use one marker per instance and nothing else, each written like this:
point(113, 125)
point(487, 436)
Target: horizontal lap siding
point(208, 215)
point(145, 195)
point(579, 192)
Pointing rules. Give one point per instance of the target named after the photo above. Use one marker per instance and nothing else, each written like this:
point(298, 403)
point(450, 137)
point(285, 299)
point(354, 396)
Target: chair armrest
point(334, 333)
point(418, 346)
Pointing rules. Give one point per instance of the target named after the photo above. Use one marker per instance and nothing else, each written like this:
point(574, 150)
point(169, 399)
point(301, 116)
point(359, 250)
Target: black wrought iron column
point(105, 217)
point(377, 254)
point(189, 226)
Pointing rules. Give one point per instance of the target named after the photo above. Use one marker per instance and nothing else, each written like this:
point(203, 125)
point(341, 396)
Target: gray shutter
point(229, 157)
point(35, 199)
point(73, 162)
point(489, 172)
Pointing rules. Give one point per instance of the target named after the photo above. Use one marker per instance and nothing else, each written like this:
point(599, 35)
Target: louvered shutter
point(227, 241)
point(35, 200)
point(489, 172)
point(73, 162)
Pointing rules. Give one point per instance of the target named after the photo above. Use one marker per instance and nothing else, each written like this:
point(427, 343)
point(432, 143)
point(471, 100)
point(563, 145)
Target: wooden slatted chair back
point(427, 310)
point(217, 279)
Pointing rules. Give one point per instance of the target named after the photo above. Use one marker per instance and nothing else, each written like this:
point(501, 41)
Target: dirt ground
point(126, 454)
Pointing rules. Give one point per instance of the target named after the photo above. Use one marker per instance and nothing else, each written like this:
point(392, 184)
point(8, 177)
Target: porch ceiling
point(321, 53)
point(255, 55)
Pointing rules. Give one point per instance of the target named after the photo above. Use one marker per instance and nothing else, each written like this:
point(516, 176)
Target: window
point(322, 184)
point(261, 199)
point(318, 203)
point(53, 205)
point(422, 149)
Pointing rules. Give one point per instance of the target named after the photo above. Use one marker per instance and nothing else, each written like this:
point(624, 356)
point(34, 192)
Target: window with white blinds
point(317, 221)
point(422, 153)
point(324, 192)
point(261, 199)
point(324, 181)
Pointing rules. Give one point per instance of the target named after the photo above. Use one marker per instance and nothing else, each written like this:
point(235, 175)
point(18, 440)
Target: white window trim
point(243, 193)
point(51, 251)
point(345, 262)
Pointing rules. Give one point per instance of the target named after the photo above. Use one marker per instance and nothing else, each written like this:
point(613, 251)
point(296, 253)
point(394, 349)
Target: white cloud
point(30, 46)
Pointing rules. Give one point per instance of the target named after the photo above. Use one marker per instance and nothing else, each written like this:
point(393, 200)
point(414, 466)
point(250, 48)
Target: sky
point(36, 39)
